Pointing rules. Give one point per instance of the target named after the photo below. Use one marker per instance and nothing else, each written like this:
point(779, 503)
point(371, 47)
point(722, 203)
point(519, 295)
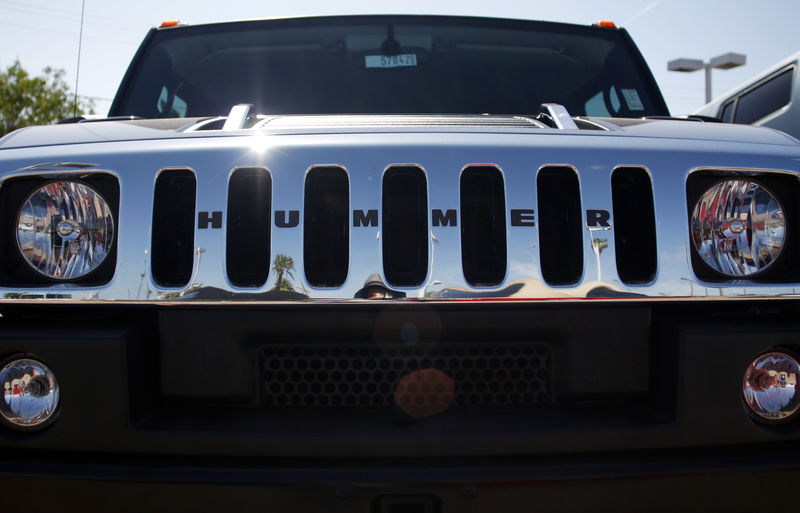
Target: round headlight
point(30, 393)
point(770, 386)
point(738, 227)
point(65, 230)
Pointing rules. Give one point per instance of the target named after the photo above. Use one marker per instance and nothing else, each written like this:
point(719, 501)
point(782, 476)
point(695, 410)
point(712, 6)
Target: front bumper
point(167, 404)
point(753, 481)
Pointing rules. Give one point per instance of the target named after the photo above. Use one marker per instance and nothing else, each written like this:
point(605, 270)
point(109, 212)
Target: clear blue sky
point(45, 32)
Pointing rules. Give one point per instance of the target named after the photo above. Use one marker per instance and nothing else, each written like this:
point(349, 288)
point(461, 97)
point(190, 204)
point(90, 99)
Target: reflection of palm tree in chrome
point(283, 264)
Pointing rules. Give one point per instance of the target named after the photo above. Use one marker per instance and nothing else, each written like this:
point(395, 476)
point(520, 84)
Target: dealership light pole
point(725, 61)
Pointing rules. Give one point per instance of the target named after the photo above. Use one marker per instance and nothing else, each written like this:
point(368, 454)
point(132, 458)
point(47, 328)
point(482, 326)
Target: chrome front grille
point(405, 223)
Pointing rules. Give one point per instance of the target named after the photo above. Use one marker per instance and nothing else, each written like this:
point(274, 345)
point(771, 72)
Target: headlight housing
point(738, 227)
point(65, 229)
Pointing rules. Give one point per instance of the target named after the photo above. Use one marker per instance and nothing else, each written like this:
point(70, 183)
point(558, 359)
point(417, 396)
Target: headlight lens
point(65, 230)
point(30, 393)
point(770, 386)
point(738, 227)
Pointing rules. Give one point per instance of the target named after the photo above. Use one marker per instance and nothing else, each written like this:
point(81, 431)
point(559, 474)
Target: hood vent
point(344, 122)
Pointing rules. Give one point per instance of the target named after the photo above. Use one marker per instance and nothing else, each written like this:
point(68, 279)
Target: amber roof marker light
point(169, 23)
point(605, 24)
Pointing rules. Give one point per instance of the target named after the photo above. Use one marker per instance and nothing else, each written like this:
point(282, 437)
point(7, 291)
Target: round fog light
point(30, 393)
point(770, 386)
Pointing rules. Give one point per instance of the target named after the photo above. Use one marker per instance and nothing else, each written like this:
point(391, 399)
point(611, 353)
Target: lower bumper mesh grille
point(359, 375)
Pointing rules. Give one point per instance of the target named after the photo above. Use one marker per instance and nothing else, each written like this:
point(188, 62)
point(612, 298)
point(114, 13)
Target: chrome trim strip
point(200, 125)
point(401, 304)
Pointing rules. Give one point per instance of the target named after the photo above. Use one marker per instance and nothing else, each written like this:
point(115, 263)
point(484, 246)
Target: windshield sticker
point(632, 99)
point(391, 61)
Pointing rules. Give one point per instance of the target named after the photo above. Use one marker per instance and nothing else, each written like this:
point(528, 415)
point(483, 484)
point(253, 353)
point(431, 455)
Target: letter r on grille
point(598, 218)
point(203, 219)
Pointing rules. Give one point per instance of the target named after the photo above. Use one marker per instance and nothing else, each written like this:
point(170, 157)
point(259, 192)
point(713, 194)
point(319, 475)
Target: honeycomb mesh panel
point(369, 376)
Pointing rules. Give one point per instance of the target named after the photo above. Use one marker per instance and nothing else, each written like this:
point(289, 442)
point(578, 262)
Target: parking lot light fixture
point(725, 61)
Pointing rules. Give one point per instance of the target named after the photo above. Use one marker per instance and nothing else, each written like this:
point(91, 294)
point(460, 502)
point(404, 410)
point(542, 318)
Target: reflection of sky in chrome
point(774, 399)
point(69, 253)
point(29, 393)
point(26, 405)
point(770, 386)
point(731, 252)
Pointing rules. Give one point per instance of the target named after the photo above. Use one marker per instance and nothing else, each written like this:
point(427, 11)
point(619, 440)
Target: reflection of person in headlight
point(770, 387)
point(375, 288)
point(14, 392)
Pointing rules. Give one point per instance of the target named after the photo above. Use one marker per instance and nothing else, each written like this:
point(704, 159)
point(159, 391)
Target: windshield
point(388, 65)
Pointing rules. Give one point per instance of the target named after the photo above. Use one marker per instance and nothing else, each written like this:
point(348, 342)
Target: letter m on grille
point(446, 218)
point(368, 218)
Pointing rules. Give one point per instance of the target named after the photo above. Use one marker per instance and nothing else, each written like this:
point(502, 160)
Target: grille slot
point(634, 225)
point(358, 375)
point(483, 226)
point(248, 230)
point(326, 236)
point(560, 232)
point(405, 226)
point(172, 244)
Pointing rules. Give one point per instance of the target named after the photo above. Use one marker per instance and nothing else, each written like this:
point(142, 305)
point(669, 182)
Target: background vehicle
point(771, 98)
